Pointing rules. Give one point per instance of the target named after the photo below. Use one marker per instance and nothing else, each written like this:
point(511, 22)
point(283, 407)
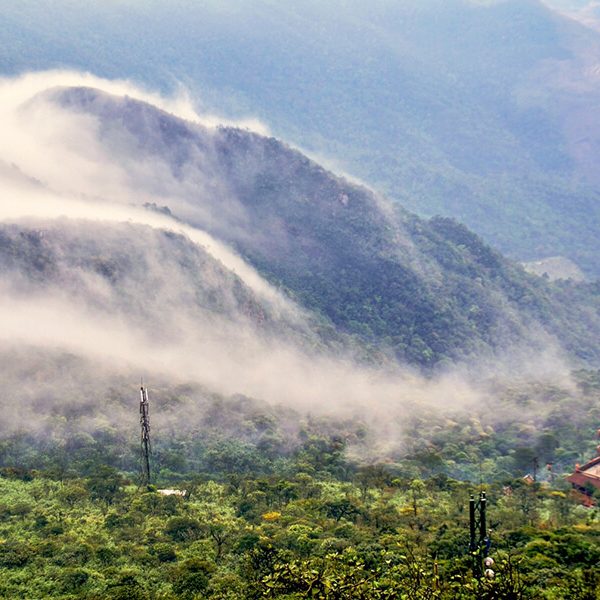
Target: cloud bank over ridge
point(61, 184)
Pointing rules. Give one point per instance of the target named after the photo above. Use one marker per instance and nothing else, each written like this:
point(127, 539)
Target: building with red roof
point(586, 477)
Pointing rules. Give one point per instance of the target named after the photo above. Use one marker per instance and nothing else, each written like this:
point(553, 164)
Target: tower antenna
point(479, 539)
point(146, 448)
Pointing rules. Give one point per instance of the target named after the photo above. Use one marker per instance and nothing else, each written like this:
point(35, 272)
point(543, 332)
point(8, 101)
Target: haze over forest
point(461, 130)
point(353, 252)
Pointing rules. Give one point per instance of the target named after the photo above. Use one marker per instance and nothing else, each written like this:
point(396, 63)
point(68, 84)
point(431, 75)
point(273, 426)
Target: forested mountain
point(225, 258)
point(427, 290)
point(154, 280)
point(331, 373)
point(481, 111)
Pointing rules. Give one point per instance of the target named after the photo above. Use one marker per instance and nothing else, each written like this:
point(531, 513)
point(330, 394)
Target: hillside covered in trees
point(331, 376)
point(276, 512)
point(427, 291)
point(482, 111)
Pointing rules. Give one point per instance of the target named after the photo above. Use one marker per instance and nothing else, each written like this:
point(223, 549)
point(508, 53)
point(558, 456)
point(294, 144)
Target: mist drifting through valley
point(300, 299)
point(72, 188)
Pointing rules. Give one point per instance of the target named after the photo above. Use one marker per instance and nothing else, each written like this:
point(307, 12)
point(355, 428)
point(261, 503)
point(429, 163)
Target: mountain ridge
point(485, 112)
point(431, 290)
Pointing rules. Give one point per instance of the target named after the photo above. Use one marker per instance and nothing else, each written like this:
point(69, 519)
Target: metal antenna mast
point(479, 542)
point(145, 438)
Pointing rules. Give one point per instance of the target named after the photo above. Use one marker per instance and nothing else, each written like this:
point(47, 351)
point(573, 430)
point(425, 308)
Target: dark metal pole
point(145, 435)
point(479, 541)
point(472, 541)
point(482, 525)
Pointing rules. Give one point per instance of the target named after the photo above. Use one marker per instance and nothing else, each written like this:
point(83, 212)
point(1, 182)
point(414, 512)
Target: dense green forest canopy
point(281, 505)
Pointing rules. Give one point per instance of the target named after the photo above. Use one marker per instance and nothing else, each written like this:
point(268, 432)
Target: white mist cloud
point(54, 168)
point(23, 200)
point(225, 357)
point(14, 91)
point(77, 177)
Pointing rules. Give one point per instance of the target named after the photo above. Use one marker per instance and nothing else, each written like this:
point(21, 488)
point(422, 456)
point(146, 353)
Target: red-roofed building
point(586, 475)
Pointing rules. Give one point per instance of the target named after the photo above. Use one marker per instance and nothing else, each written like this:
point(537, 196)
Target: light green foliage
point(316, 524)
point(396, 540)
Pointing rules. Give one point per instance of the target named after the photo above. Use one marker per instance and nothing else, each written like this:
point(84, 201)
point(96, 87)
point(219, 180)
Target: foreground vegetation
point(373, 536)
point(276, 512)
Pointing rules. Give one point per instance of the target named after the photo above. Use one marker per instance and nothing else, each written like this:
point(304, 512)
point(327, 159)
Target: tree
point(105, 484)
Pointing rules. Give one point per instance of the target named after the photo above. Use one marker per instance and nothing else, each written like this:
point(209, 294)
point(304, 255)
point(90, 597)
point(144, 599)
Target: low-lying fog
point(141, 292)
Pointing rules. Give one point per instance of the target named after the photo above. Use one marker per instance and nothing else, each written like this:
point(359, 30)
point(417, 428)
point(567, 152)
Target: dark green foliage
point(341, 509)
point(192, 577)
point(73, 580)
point(183, 528)
point(127, 588)
point(584, 585)
point(14, 554)
point(105, 484)
point(165, 553)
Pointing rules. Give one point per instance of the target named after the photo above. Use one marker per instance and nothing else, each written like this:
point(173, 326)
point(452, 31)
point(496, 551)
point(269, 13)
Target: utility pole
point(145, 437)
point(479, 542)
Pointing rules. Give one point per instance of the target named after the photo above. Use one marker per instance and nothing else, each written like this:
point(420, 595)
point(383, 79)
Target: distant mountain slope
point(555, 267)
point(140, 279)
point(430, 290)
point(482, 111)
point(138, 300)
